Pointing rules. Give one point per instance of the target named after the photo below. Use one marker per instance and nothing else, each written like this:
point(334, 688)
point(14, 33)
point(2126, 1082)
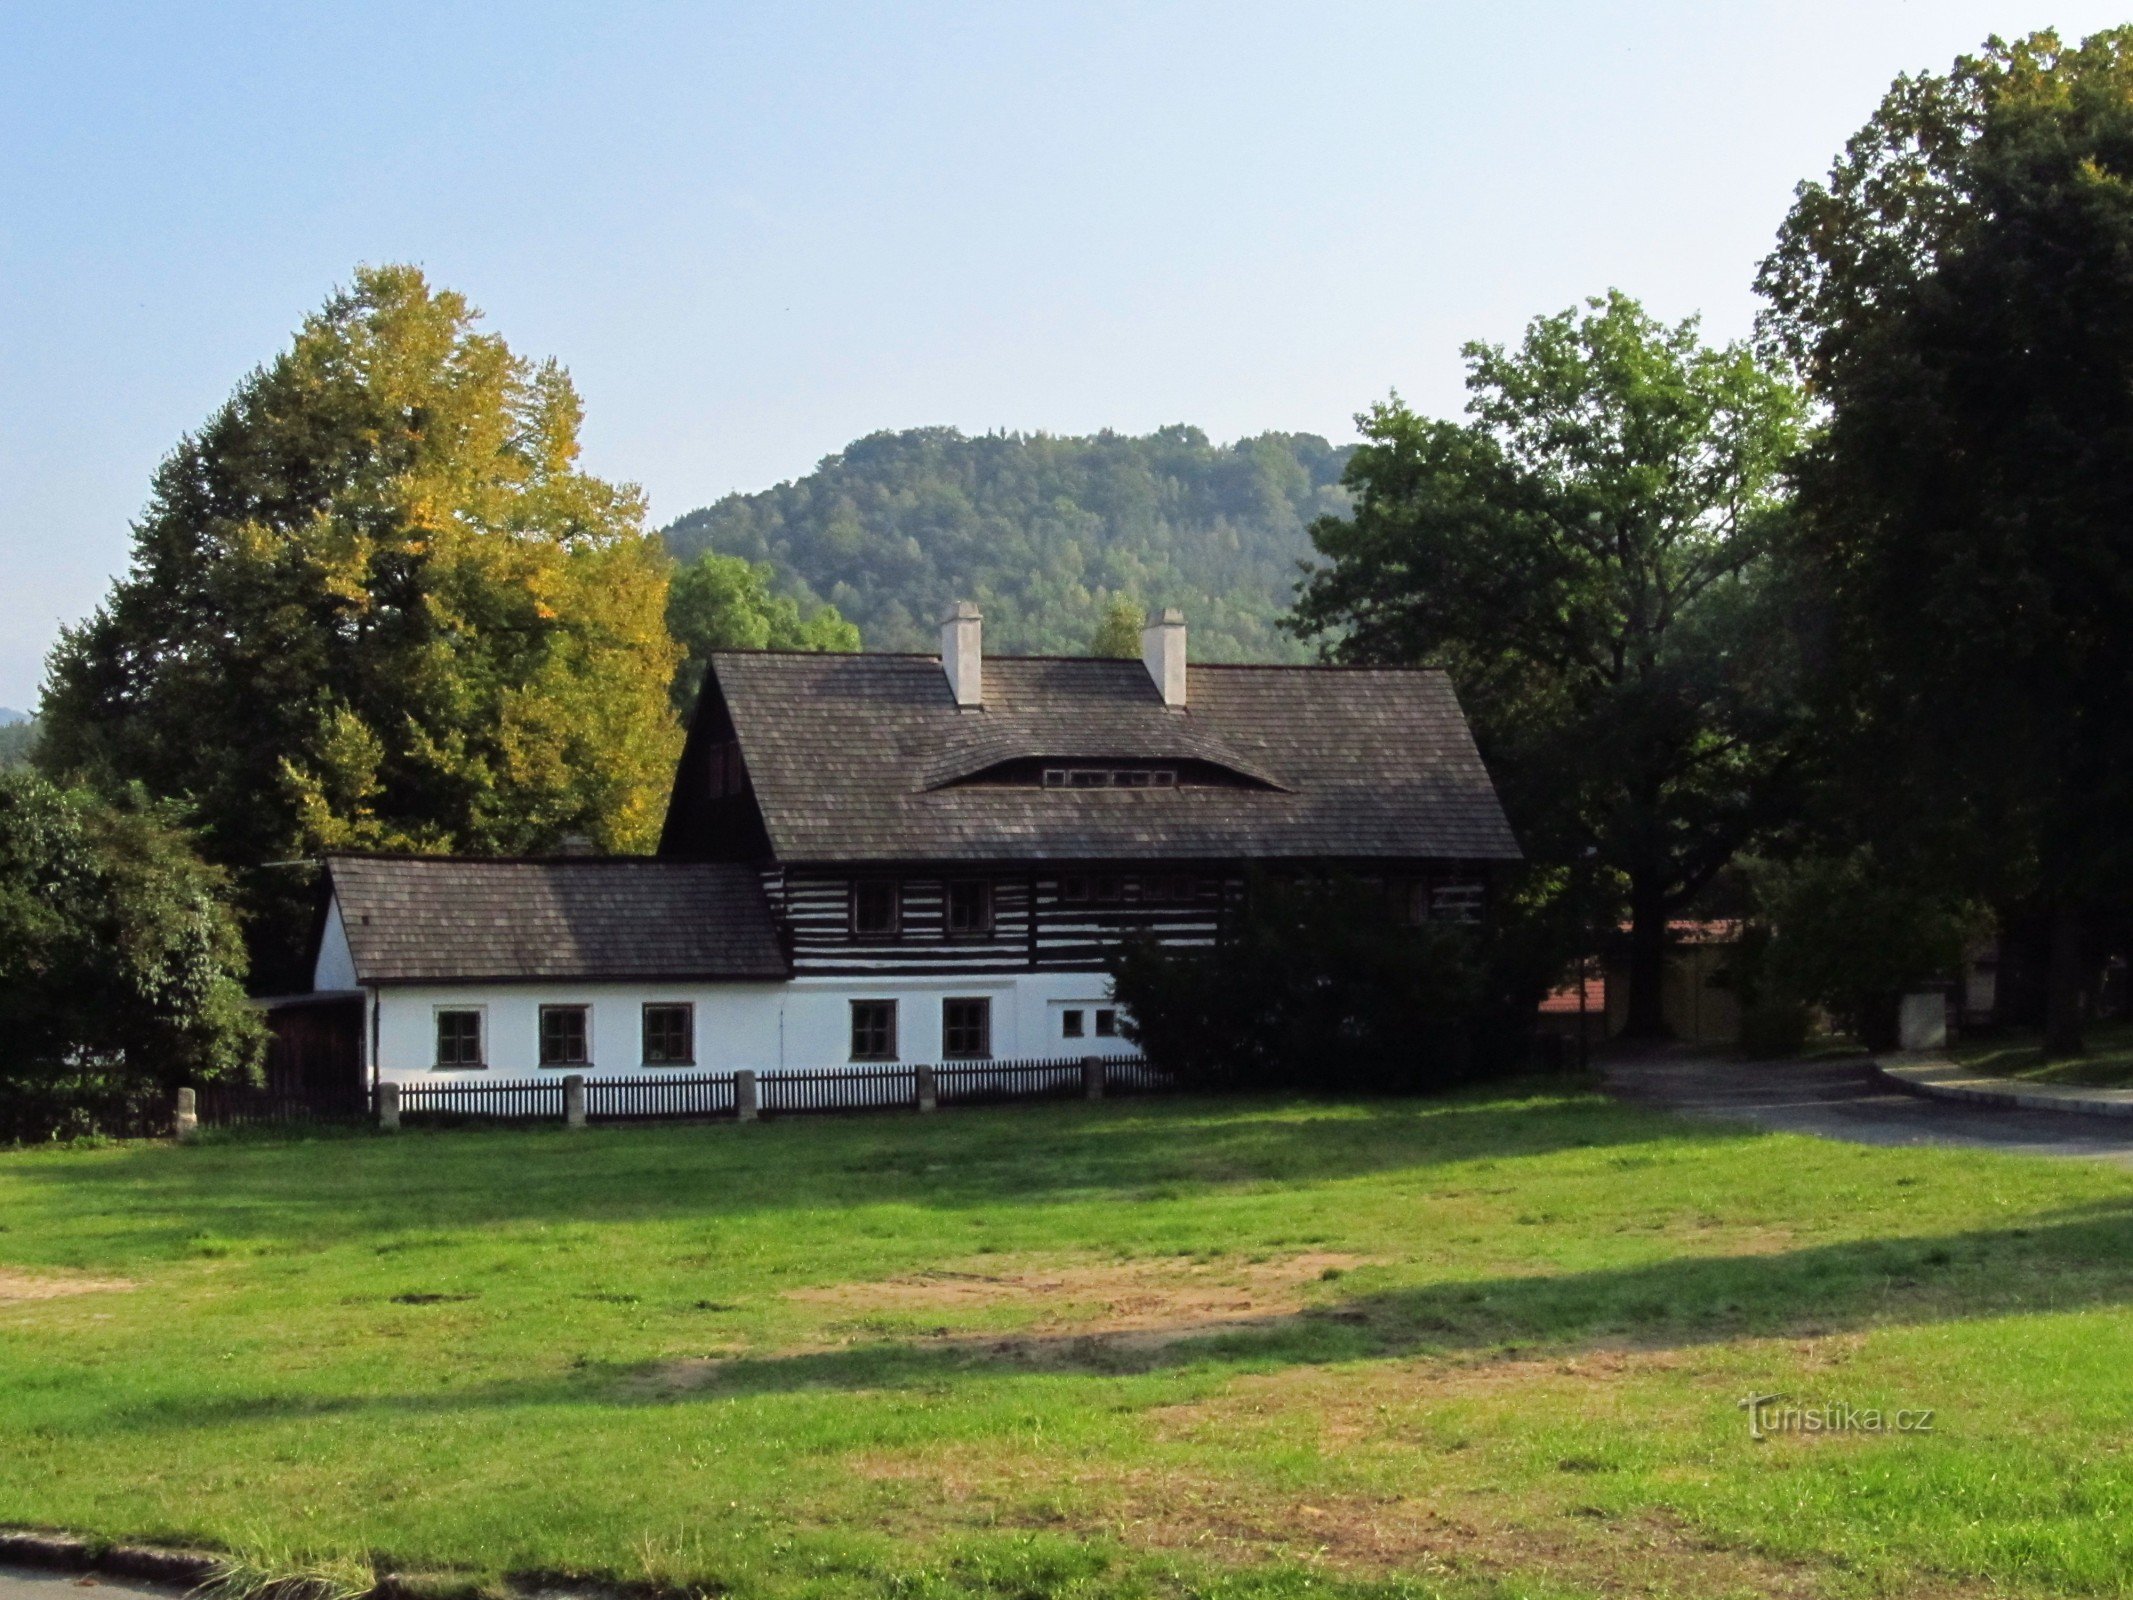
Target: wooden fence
point(238, 1105)
point(515, 1097)
point(698, 1096)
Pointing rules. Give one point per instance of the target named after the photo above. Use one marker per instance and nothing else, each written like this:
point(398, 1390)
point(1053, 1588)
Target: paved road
point(30, 1583)
point(1843, 1100)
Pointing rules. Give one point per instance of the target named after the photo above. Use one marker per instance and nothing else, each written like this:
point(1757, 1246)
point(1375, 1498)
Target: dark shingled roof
point(858, 757)
point(414, 919)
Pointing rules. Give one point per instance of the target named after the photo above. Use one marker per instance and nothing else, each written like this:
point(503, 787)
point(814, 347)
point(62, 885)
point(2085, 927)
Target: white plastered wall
point(804, 1024)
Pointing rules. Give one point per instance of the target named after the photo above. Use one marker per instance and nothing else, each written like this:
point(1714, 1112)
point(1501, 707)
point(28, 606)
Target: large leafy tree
point(374, 602)
point(121, 969)
point(1959, 293)
point(729, 603)
point(1586, 554)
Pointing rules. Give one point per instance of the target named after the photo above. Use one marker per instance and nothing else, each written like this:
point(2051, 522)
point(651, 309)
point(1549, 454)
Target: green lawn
point(1488, 1346)
point(2105, 1062)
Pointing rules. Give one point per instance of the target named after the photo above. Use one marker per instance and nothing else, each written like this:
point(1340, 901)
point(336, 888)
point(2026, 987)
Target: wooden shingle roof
point(860, 758)
point(414, 919)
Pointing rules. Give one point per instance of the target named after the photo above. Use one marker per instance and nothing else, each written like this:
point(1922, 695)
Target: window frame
point(585, 1035)
point(1106, 1022)
point(894, 888)
point(891, 1052)
point(986, 923)
point(687, 1008)
point(1073, 1022)
point(983, 1025)
point(480, 1014)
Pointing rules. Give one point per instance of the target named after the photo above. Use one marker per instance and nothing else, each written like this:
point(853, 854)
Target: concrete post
point(389, 1107)
point(186, 1124)
point(929, 1098)
point(745, 1103)
point(574, 1100)
point(1092, 1077)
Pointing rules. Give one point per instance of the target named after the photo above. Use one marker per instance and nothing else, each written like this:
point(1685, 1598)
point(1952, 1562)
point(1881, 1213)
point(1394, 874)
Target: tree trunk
point(1647, 963)
point(2063, 985)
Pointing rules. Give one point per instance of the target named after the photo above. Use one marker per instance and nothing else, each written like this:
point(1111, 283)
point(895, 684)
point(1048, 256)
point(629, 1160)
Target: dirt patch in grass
point(1104, 1315)
point(1170, 1296)
point(1443, 1517)
point(36, 1286)
point(1228, 1519)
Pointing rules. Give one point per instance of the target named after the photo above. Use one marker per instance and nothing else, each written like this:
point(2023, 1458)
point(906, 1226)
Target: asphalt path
point(1842, 1099)
point(32, 1583)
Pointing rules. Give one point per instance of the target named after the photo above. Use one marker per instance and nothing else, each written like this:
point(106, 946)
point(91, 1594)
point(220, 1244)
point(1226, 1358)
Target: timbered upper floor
point(922, 918)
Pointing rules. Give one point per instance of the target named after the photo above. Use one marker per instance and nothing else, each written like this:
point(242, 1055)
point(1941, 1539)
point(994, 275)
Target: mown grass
point(653, 1356)
point(2106, 1060)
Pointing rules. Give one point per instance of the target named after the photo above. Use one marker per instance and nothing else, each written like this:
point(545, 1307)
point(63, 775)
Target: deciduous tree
point(1959, 292)
point(1118, 631)
point(376, 603)
point(728, 603)
point(1585, 554)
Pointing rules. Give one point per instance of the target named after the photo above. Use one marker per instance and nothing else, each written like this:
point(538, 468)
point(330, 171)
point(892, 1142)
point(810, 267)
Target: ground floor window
point(564, 1036)
point(873, 1030)
point(1107, 1024)
point(1070, 1022)
point(966, 1028)
point(669, 1035)
point(459, 1037)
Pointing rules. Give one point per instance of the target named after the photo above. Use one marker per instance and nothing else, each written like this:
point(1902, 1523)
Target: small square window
point(966, 1029)
point(1104, 888)
point(669, 1035)
point(1106, 1023)
point(873, 1030)
point(969, 906)
point(459, 1038)
point(564, 1036)
point(877, 909)
point(1074, 888)
point(1055, 777)
point(1070, 1023)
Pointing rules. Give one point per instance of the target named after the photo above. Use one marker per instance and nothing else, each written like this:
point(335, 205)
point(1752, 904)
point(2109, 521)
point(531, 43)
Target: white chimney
point(1163, 652)
point(963, 654)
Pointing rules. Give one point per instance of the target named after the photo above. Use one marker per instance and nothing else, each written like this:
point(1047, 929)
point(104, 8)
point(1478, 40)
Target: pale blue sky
point(757, 232)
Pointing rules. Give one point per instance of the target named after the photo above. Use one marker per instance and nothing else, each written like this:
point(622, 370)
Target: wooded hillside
point(1042, 531)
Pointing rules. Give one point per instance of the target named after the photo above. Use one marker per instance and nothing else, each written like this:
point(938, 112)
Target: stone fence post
point(745, 1103)
point(929, 1097)
point(574, 1100)
point(1092, 1077)
point(389, 1107)
point(186, 1123)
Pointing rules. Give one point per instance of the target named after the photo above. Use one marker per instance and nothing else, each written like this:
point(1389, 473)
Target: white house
point(904, 858)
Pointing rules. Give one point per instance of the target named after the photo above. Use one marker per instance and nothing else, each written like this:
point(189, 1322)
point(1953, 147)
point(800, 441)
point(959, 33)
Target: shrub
point(1320, 986)
point(1852, 935)
point(120, 967)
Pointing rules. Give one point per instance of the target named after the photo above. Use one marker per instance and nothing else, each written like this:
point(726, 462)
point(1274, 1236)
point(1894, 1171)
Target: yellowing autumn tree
point(374, 603)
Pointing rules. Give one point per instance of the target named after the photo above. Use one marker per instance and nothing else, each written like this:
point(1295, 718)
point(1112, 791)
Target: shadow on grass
point(2082, 1260)
point(309, 1194)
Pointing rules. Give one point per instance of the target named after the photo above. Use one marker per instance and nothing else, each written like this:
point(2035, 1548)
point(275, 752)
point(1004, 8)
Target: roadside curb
point(1934, 1079)
point(62, 1552)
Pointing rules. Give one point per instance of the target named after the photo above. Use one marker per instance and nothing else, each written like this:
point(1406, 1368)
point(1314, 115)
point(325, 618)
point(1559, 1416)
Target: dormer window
point(1110, 777)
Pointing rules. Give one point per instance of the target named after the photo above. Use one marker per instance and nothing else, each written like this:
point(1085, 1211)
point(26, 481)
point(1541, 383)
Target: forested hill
point(1042, 531)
